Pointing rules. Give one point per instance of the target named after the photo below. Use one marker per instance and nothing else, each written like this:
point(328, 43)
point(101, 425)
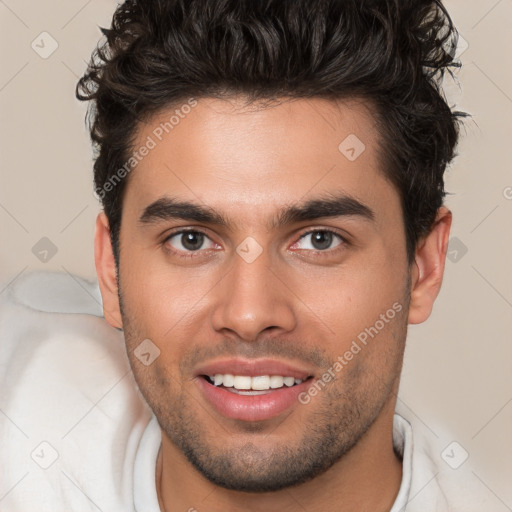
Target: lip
point(252, 407)
point(253, 368)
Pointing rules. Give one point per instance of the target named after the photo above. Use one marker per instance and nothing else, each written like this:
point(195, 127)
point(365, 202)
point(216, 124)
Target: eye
point(190, 241)
point(319, 240)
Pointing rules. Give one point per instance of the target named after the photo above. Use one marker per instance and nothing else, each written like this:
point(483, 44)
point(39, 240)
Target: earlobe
point(106, 271)
point(428, 268)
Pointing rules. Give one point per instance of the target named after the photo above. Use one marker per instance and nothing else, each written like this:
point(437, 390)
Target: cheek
point(350, 299)
point(161, 298)
point(379, 279)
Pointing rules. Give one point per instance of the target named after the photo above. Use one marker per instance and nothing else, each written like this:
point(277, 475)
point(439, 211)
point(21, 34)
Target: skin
point(292, 303)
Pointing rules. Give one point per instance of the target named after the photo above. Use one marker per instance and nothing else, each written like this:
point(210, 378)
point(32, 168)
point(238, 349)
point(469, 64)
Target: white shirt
point(76, 435)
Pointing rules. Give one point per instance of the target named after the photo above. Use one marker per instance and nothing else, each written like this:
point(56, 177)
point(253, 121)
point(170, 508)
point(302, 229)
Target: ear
point(107, 272)
point(428, 267)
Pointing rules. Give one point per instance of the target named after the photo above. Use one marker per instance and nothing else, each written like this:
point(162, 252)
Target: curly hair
point(391, 53)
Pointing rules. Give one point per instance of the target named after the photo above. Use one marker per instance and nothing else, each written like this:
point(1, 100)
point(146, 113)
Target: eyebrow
point(168, 209)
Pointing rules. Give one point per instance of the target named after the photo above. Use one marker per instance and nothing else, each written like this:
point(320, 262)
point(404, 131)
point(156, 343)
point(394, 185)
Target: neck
point(367, 478)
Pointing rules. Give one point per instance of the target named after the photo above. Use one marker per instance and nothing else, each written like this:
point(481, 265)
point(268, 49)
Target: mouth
point(252, 390)
point(246, 385)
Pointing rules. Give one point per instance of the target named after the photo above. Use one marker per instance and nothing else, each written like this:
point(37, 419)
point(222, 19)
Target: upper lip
point(253, 368)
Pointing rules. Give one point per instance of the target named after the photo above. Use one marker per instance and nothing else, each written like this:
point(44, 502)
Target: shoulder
point(438, 473)
point(72, 415)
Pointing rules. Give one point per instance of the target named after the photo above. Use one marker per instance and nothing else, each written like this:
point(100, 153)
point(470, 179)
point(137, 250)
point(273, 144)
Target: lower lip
point(251, 407)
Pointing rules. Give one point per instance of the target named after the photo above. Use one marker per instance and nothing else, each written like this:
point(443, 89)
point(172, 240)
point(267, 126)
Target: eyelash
point(327, 252)
point(181, 254)
point(195, 254)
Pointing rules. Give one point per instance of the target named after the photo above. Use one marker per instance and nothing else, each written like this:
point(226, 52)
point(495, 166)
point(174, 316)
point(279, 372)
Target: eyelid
point(180, 231)
point(335, 232)
point(193, 229)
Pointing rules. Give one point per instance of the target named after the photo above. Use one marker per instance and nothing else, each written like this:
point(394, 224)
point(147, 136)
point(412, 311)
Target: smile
point(251, 398)
point(247, 385)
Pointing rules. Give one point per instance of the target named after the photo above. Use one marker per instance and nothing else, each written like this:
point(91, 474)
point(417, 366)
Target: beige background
point(458, 373)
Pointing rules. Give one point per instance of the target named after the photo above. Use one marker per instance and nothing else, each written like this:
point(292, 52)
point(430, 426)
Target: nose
point(252, 298)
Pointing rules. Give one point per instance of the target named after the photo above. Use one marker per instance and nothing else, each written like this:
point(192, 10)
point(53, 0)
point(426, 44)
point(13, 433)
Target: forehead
point(251, 160)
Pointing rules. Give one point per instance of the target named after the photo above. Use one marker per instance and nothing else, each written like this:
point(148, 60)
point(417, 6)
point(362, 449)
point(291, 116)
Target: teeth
point(227, 380)
point(276, 381)
point(258, 383)
point(242, 382)
point(289, 381)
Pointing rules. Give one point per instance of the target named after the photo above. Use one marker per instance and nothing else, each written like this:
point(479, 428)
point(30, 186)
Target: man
point(271, 174)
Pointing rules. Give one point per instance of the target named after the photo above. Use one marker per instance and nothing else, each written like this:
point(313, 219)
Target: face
point(256, 253)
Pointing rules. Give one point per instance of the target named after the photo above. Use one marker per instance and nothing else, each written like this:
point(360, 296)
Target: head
point(302, 147)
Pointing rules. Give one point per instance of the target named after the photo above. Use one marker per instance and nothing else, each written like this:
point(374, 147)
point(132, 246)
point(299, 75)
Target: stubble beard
point(341, 414)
